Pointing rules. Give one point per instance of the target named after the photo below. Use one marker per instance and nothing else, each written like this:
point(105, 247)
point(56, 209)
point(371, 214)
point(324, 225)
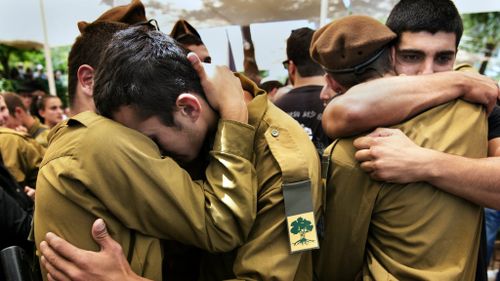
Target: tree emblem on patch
point(301, 226)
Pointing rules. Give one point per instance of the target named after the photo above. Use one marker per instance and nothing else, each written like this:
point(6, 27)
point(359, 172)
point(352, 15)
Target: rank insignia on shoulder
point(300, 220)
point(302, 232)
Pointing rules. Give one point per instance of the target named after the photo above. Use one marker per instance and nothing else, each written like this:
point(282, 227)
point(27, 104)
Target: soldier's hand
point(389, 155)
point(480, 89)
point(63, 261)
point(30, 192)
point(21, 129)
point(222, 89)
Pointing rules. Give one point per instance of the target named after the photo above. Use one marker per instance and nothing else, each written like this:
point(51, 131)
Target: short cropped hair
point(297, 50)
point(145, 69)
point(88, 48)
point(270, 85)
point(426, 15)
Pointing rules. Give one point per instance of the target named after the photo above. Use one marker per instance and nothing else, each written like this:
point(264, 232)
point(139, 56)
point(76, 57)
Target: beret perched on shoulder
point(129, 14)
point(348, 42)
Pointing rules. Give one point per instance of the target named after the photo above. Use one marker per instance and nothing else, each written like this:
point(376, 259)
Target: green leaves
point(480, 30)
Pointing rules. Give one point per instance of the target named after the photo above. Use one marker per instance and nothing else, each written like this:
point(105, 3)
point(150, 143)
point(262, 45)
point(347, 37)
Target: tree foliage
point(481, 35)
point(10, 56)
point(481, 29)
point(60, 58)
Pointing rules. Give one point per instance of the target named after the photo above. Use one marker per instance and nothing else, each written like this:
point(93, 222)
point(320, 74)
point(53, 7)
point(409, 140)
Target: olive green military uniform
point(404, 232)
point(280, 143)
point(39, 132)
point(21, 155)
point(95, 167)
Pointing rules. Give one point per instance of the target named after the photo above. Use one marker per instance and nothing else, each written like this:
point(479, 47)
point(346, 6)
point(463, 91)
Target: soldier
point(85, 54)
point(21, 154)
point(427, 44)
point(289, 196)
point(21, 119)
point(382, 231)
point(428, 39)
point(123, 170)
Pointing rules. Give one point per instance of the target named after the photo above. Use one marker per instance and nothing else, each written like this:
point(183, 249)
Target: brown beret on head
point(349, 42)
point(129, 14)
point(183, 29)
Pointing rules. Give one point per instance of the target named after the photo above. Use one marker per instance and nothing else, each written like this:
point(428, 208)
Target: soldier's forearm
point(388, 101)
point(476, 180)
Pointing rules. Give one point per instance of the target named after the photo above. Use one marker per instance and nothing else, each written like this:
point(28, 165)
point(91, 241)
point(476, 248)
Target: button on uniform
point(275, 133)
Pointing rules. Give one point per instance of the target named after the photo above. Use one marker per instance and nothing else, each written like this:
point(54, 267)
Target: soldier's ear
point(85, 75)
point(189, 106)
point(334, 85)
point(18, 111)
point(292, 68)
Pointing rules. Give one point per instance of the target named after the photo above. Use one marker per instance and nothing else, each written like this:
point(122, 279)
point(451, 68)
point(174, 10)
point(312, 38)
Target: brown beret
point(129, 14)
point(183, 29)
point(349, 42)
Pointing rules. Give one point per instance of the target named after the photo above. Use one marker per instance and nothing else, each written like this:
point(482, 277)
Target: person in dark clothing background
point(303, 102)
point(17, 212)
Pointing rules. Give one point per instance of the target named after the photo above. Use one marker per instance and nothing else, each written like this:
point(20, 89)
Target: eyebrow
point(410, 50)
point(417, 51)
point(446, 53)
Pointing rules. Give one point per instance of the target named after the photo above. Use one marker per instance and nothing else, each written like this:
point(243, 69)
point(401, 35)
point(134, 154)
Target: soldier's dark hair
point(145, 69)
point(297, 50)
point(268, 86)
point(426, 15)
point(88, 48)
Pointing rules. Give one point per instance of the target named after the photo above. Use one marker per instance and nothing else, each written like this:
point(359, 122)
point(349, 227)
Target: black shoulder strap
point(482, 263)
point(39, 131)
point(131, 246)
point(326, 160)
